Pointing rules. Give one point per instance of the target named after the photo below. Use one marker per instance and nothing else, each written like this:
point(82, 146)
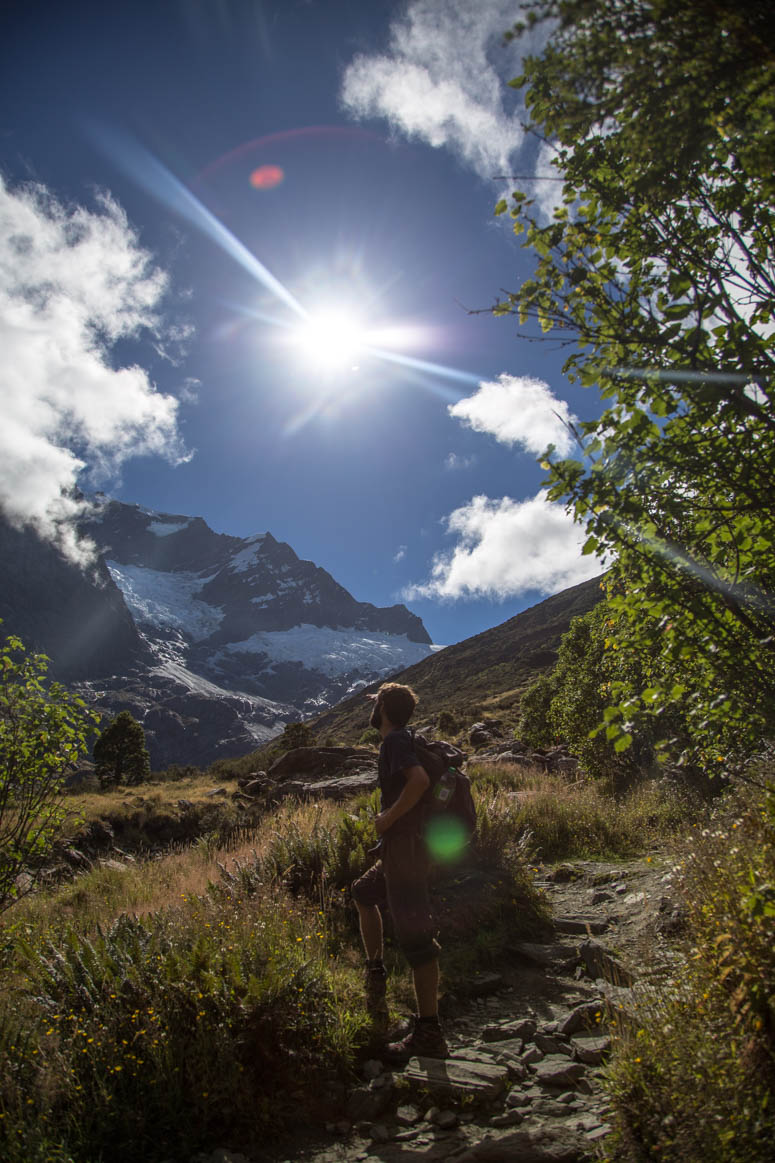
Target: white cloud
point(72, 284)
point(454, 461)
point(546, 189)
point(518, 410)
point(443, 80)
point(506, 548)
point(400, 553)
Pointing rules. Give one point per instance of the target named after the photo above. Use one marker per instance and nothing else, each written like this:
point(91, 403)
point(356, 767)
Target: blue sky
point(196, 197)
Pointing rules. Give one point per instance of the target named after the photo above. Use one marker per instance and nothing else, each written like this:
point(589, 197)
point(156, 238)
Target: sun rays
point(332, 340)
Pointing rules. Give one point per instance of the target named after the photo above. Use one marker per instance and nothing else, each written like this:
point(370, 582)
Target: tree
point(296, 735)
point(44, 730)
point(659, 268)
point(120, 754)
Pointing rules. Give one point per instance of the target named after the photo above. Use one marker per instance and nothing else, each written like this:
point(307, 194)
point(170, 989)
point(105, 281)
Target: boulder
point(317, 761)
point(591, 1049)
point(479, 736)
point(587, 1016)
point(457, 1076)
point(558, 1072)
point(340, 787)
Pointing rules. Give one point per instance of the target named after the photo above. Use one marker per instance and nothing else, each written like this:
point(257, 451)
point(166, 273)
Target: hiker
point(399, 879)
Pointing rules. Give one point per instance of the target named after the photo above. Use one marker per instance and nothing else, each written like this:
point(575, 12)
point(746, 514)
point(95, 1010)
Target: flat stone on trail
point(541, 1145)
point(523, 1030)
point(469, 1054)
point(510, 1048)
point(580, 925)
point(457, 1075)
point(558, 1071)
point(545, 956)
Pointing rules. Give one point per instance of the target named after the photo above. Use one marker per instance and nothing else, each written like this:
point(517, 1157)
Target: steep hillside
point(481, 675)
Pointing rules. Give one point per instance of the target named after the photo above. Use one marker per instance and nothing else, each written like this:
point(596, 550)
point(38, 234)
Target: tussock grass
point(693, 1074)
point(200, 996)
point(158, 1035)
point(556, 819)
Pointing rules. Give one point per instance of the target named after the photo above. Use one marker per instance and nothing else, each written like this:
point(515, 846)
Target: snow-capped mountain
point(227, 638)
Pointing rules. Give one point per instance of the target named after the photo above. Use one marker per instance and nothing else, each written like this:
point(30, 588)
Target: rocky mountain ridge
point(214, 642)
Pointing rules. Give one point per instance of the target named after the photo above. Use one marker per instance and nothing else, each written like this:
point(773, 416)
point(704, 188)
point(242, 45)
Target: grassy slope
point(481, 675)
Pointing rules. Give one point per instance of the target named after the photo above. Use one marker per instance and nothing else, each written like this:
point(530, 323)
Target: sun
point(333, 339)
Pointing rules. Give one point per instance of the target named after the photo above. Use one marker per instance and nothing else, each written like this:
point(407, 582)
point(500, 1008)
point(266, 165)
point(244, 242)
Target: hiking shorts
point(399, 880)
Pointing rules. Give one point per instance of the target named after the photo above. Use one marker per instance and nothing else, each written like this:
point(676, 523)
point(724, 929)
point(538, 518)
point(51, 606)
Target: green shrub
point(534, 724)
point(694, 1077)
point(43, 731)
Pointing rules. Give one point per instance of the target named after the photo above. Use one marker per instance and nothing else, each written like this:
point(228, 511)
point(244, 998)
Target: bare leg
point(426, 988)
point(371, 930)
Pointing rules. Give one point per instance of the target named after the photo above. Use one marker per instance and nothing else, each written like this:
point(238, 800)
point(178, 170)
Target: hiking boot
point(376, 989)
point(424, 1040)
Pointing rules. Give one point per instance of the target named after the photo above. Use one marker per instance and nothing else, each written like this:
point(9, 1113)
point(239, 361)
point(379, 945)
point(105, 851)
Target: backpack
point(450, 790)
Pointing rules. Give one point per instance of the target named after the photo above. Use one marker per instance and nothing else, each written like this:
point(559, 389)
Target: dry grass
point(142, 887)
point(559, 819)
point(160, 794)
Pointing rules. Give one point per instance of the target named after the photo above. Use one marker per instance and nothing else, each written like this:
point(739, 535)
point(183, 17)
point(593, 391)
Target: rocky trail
point(528, 1043)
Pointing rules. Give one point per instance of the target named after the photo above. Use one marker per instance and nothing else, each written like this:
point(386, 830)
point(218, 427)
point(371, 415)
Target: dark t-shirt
point(395, 755)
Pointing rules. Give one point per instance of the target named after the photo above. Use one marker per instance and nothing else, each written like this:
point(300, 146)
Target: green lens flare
point(446, 838)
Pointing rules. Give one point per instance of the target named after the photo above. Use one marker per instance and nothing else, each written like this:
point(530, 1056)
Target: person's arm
point(417, 783)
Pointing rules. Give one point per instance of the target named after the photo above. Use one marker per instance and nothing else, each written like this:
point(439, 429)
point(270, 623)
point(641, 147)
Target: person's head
point(396, 701)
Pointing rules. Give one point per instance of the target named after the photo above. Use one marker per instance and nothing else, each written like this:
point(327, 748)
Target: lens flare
point(266, 177)
point(446, 838)
point(332, 342)
point(154, 177)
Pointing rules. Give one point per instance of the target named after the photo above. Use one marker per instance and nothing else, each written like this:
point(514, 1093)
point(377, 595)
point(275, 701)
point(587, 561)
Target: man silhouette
point(399, 879)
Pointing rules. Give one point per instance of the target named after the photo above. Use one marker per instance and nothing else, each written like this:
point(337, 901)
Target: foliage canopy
point(659, 265)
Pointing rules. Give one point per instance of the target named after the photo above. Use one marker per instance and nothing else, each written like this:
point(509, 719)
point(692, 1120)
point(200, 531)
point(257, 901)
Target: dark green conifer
point(120, 754)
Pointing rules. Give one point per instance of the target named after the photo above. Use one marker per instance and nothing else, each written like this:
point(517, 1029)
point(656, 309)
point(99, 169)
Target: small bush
point(447, 724)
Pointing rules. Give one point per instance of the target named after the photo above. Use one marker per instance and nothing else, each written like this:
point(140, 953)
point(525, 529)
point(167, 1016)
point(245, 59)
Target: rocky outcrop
point(551, 759)
point(336, 773)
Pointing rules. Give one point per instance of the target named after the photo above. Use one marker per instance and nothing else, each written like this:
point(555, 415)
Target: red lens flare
point(266, 177)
